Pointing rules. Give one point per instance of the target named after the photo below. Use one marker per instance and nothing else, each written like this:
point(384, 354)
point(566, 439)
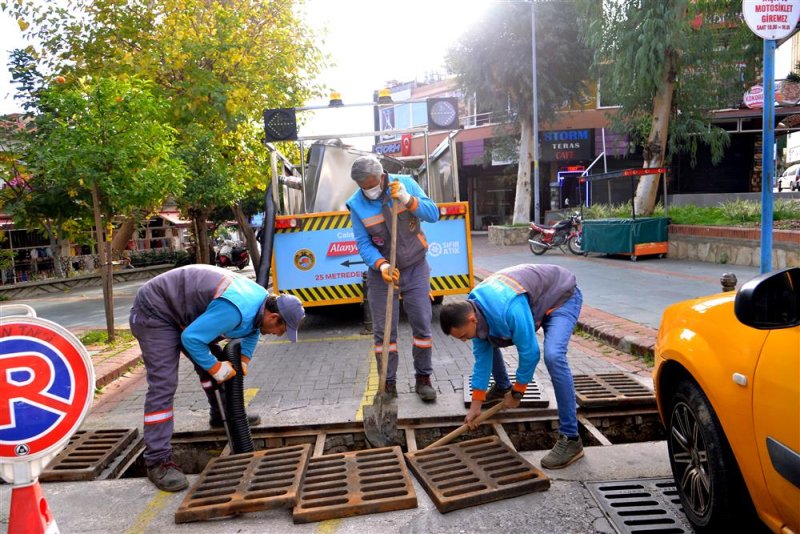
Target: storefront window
point(493, 200)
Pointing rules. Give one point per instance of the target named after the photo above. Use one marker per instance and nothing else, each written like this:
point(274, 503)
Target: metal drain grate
point(474, 472)
point(247, 482)
point(533, 398)
point(604, 389)
point(355, 483)
point(641, 505)
point(88, 453)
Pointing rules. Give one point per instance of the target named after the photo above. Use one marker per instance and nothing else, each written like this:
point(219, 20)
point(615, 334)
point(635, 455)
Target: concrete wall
point(735, 246)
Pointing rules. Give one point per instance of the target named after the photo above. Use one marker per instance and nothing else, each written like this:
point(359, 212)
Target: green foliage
point(730, 213)
point(632, 41)
point(147, 258)
point(100, 337)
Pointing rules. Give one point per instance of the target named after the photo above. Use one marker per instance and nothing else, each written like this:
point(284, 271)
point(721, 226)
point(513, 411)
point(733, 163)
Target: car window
point(791, 171)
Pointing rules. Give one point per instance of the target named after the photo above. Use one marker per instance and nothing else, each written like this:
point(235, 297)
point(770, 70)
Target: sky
point(369, 43)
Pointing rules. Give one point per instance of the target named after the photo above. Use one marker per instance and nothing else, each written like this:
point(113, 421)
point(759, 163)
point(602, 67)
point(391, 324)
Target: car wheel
point(708, 480)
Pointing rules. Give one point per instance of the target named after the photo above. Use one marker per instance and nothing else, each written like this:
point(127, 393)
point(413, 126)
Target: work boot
point(425, 389)
point(391, 389)
point(215, 421)
point(566, 451)
point(496, 394)
point(167, 476)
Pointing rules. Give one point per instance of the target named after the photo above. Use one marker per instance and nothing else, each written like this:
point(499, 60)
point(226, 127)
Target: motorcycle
point(232, 255)
point(567, 232)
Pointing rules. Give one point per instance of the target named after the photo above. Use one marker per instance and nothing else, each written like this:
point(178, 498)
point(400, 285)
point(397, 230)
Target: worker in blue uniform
point(370, 213)
point(507, 309)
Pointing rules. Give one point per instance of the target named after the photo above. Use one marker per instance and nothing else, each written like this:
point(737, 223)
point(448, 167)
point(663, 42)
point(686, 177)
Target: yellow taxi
point(727, 381)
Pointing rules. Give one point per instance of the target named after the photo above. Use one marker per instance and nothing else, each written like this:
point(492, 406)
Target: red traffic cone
point(30, 513)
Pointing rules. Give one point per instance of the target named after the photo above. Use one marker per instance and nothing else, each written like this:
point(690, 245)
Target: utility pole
point(536, 200)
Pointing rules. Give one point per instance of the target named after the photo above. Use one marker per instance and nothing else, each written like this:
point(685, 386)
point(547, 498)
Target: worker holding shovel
point(507, 309)
point(371, 214)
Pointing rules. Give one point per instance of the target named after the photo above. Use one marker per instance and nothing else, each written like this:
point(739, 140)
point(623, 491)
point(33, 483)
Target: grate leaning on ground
point(605, 389)
point(474, 472)
point(533, 398)
point(355, 483)
point(641, 505)
point(247, 482)
point(88, 453)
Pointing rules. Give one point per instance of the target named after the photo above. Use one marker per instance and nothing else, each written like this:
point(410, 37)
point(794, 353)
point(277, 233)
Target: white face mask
point(373, 193)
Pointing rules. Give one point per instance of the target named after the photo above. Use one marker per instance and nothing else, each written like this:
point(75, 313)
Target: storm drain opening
point(611, 389)
point(354, 483)
point(641, 505)
point(534, 397)
point(469, 473)
point(94, 454)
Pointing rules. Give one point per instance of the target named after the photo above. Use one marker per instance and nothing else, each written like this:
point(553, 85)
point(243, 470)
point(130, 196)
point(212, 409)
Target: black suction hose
point(267, 236)
point(238, 426)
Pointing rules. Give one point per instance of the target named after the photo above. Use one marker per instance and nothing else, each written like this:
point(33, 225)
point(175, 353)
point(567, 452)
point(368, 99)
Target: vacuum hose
point(238, 426)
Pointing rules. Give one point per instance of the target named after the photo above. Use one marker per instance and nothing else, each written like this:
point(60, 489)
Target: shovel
point(380, 419)
point(444, 440)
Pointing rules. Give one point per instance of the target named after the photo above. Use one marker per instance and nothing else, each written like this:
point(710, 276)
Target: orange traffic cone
point(30, 513)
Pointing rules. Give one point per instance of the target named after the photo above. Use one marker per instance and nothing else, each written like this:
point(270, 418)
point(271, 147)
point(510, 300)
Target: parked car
point(727, 381)
point(790, 179)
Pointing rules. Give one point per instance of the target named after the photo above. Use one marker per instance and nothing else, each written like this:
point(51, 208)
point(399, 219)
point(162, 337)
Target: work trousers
point(160, 343)
point(558, 327)
point(415, 286)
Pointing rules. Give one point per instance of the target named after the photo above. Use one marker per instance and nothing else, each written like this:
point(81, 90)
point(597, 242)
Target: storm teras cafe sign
point(567, 145)
point(771, 19)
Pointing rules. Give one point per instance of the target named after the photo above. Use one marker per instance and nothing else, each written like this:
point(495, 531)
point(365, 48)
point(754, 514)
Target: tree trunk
point(104, 253)
point(125, 232)
point(249, 235)
point(655, 149)
point(203, 255)
point(55, 250)
point(522, 197)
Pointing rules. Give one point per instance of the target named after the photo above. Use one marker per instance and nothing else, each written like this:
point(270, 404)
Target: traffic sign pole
point(767, 155)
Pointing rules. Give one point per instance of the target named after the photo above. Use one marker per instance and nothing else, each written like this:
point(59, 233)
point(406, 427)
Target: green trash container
point(630, 237)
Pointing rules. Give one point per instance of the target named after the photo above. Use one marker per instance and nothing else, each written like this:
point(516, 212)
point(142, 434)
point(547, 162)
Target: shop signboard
point(567, 145)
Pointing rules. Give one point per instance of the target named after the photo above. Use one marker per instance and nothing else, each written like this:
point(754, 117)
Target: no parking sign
point(46, 388)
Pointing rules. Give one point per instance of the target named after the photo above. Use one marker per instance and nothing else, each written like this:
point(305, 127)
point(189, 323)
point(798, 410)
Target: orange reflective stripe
point(423, 343)
point(372, 221)
point(154, 418)
point(220, 289)
point(513, 284)
point(423, 240)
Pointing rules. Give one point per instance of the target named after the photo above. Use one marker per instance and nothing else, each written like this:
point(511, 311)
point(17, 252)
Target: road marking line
point(321, 339)
point(249, 394)
point(152, 509)
point(371, 387)
point(329, 526)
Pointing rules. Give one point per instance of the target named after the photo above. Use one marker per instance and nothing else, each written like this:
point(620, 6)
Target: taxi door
point(776, 415)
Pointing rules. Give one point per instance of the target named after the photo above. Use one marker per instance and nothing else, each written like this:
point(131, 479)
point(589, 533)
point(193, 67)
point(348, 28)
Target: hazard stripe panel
point(474, 472)
point(247, 482)
point(605, 389)
point(88, 453)
point(327, 293)
point(533, 398)
point(311, 224)
point(459, 281)
point(355, 483)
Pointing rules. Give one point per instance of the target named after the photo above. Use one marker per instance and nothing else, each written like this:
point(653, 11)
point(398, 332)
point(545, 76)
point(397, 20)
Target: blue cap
point(291, 311)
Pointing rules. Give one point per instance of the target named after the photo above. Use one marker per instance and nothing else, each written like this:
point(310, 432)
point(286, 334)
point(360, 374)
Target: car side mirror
point(770, 301)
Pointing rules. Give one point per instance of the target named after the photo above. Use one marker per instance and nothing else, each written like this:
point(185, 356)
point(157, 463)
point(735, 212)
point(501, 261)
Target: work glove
point(245, 361)
point(399, 192)
point(390, 277)
point(224, 371)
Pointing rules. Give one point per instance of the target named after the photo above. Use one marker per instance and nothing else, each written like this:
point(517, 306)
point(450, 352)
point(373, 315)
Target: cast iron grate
point(474, 472)
point(641, 505)
point(605, 389)
point(246, 482)
point(355, 483)
point(88, 453)
point(533, 398)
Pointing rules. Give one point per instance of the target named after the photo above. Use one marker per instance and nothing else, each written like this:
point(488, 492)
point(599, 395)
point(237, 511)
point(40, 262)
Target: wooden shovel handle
point(387, 329)
point(463, 428)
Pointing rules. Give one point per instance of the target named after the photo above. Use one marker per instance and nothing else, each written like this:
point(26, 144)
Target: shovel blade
point(380, 422)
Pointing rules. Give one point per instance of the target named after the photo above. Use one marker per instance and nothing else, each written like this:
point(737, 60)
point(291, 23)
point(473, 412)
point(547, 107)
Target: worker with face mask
point(370, 213)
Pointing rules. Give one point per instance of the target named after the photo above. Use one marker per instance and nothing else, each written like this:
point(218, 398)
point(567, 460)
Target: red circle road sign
point(46, 387)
